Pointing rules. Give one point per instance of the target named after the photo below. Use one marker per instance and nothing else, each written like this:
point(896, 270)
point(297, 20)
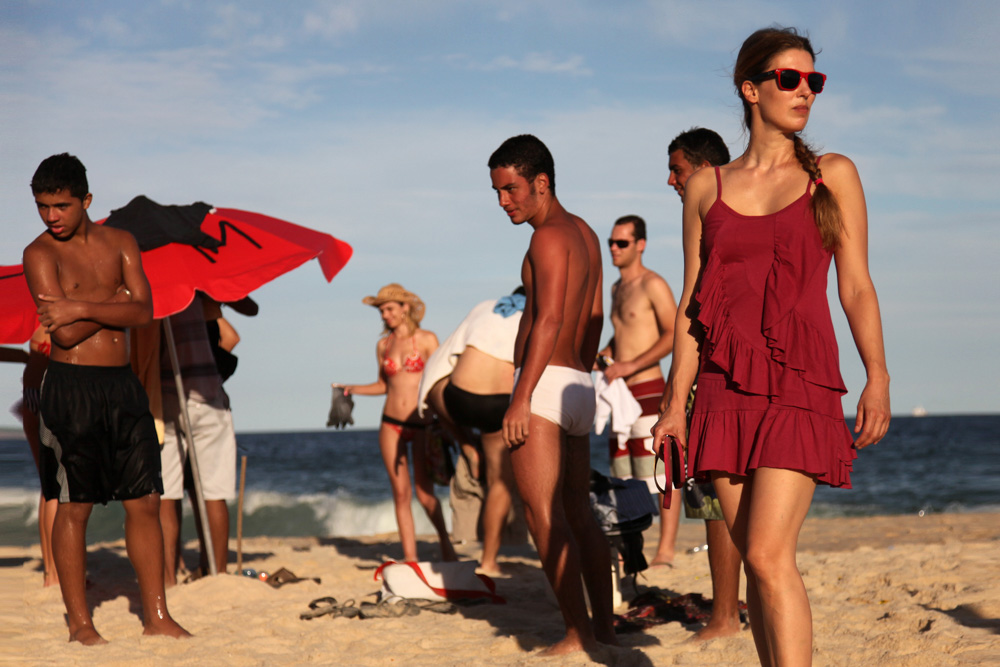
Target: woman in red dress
point(754, 328)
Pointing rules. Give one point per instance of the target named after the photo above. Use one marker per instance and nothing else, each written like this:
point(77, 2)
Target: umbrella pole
point(192, 456)
point(239, 516)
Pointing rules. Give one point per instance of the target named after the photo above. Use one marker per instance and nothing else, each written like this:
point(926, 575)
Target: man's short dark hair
point(60, 172)
point(701, 145)
point(638, 226)
point(529, 157)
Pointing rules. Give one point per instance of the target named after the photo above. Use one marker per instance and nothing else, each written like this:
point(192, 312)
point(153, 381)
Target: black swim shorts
point(105, 441)
point(481, 411)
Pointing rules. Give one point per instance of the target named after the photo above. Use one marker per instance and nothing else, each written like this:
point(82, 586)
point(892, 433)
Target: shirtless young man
point(643, 310)
point(547, 425)
point(88, 283)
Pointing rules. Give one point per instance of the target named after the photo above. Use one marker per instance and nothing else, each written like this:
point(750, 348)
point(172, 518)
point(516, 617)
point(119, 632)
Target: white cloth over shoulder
point(483, 329)
point(615, 400)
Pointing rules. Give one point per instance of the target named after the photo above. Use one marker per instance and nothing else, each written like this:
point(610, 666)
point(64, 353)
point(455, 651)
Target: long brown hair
point(755, 54)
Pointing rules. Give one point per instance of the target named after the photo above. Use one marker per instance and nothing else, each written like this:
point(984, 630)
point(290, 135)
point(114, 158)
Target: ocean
point(332, 483)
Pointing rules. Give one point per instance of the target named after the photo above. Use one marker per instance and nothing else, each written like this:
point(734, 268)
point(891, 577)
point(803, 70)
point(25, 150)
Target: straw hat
point(396, 292)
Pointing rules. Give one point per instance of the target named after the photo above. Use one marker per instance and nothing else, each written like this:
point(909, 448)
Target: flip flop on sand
point(436, 606)
point(284, 576)
point(391, 607)
point(346, 610)
point(329, 607)
point(320, 607)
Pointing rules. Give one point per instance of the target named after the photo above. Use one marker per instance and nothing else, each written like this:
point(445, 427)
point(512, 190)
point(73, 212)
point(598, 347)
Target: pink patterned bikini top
point(412, 364)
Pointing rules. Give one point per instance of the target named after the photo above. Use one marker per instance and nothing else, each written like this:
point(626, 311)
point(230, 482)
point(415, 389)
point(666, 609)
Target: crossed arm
point(72, 321)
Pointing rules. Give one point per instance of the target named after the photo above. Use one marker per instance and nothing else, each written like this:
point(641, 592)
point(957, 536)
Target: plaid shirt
point(199, 374)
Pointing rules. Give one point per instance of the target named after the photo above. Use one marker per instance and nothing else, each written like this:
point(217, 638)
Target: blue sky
point(373, 121)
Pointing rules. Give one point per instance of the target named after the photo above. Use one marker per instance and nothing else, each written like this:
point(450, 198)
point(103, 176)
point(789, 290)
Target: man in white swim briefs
point(552, 406)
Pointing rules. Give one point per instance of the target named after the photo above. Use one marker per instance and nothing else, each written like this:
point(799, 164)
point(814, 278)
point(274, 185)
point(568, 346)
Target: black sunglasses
point(788, 79)
point(621, 243)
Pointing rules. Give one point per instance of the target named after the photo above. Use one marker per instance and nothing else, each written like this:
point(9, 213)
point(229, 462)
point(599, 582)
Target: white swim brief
point(564, 396)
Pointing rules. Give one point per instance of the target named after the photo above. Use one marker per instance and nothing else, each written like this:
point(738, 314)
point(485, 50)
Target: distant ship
point(919, 411)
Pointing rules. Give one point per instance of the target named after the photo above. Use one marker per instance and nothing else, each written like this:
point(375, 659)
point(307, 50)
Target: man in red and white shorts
point(642, 312)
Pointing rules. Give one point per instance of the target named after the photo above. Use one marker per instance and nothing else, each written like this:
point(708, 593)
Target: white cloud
point(539, 63)
point(108, 27)
point(332, 21)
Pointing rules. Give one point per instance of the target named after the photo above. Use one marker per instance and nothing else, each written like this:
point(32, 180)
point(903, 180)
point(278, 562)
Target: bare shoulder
point(583, 226)
point(41, 245)
point(651, 280)
point(701, 179)
point(701, 187)
point(550, 238)
point(42, 249)
point(840, 174)
point(655, 286)
point(838, 167)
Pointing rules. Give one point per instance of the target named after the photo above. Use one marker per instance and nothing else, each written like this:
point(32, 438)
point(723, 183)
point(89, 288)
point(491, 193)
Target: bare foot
point(166, 627)
point(564, 647)
point(88, 636)
point(571, 644)
point(491, 570)
point(662, 561)
point(50, 580)
point(716, 629)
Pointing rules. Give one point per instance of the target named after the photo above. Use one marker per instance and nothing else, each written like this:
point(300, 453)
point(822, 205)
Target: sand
point(885, 591)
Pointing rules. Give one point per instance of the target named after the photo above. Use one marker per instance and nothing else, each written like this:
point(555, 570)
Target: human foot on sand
point(166, 627)
point(88, 636)
point(491, 570)
point(572, 644)
point(716, 628)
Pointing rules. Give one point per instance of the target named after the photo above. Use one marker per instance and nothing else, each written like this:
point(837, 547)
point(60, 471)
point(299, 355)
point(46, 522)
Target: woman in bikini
point(767, 424)
point(401, 353)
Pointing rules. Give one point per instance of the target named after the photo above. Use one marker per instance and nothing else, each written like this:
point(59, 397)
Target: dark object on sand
point(341, 407)
point(623, 508)
point(284, 576)
point(655, 606)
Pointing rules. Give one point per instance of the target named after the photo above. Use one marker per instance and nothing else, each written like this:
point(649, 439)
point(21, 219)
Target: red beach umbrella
point(230, 254)
point(226, 253)
point(18, 319)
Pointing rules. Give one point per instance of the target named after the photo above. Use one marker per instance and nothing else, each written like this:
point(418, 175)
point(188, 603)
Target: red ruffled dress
point(769, 386)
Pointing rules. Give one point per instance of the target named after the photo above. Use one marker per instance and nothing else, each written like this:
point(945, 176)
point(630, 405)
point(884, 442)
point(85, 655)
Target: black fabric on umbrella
point(154, 225)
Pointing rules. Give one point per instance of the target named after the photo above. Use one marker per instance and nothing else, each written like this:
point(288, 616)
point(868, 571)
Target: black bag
point(623, 508)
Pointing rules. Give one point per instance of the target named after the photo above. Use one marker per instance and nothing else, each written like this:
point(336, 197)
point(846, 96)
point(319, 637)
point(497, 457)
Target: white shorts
point(215, 444)
point(564, 396)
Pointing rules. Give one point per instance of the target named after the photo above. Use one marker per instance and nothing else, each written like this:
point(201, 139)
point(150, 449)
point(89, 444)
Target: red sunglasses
point(789, 79)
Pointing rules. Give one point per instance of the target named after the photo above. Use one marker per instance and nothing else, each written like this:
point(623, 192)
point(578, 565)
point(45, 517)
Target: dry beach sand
point(885, 591)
